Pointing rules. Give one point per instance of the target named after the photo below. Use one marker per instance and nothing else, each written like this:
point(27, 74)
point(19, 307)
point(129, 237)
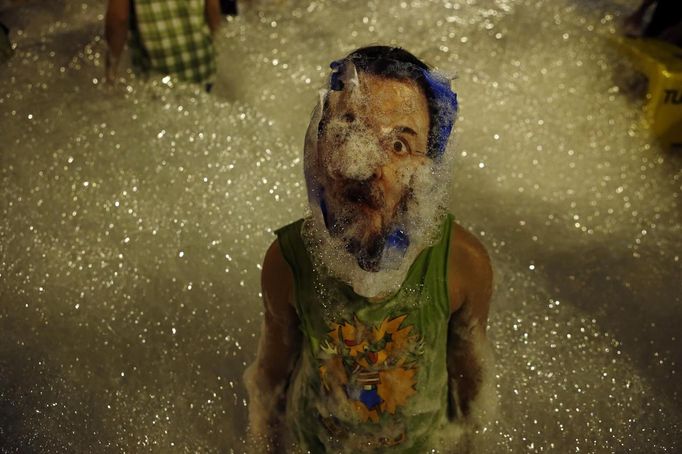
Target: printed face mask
point(375, 186)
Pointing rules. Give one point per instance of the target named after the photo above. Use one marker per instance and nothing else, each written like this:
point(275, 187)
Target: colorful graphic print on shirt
point(368, 371)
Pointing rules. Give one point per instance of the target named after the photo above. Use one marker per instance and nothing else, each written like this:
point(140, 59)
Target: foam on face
point(357, 151)
point(343, 238)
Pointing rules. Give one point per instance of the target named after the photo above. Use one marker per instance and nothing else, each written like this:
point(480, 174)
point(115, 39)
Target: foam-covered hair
point(397, 63)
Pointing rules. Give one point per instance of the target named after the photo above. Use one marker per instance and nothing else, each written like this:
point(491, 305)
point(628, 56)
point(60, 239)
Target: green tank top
point(372, 376)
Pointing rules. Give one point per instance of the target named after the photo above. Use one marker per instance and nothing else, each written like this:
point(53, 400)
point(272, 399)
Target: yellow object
point(661, 63)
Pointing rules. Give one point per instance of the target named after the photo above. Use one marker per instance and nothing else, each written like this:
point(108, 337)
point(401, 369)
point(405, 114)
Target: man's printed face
point(373, 138)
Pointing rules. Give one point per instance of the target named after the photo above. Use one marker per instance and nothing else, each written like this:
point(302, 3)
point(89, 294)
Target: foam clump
point(357, 151)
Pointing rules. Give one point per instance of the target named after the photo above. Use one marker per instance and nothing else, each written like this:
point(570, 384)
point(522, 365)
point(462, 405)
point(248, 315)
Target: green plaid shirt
point(172, 37)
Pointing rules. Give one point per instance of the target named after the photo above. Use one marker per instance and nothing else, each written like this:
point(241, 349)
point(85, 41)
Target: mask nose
point(359, 156)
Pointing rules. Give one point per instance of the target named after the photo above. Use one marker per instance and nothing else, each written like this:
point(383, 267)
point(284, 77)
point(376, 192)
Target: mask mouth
point(363, 193)
point(367, 245)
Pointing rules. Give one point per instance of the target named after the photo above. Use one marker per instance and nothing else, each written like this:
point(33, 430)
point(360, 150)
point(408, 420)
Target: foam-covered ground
point(134, 219)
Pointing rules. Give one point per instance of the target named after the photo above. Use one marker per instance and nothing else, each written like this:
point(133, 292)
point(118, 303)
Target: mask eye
point(400, 146)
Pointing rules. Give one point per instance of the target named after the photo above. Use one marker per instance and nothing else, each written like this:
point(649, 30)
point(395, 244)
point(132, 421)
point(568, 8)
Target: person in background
point(376, 304)
point(173, 37)
point(665, 23)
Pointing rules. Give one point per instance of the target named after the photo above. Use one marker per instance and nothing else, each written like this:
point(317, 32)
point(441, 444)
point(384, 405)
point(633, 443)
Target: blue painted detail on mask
point(335, 82)
point(395, 248)
point(446, 109)
point(398, 239)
